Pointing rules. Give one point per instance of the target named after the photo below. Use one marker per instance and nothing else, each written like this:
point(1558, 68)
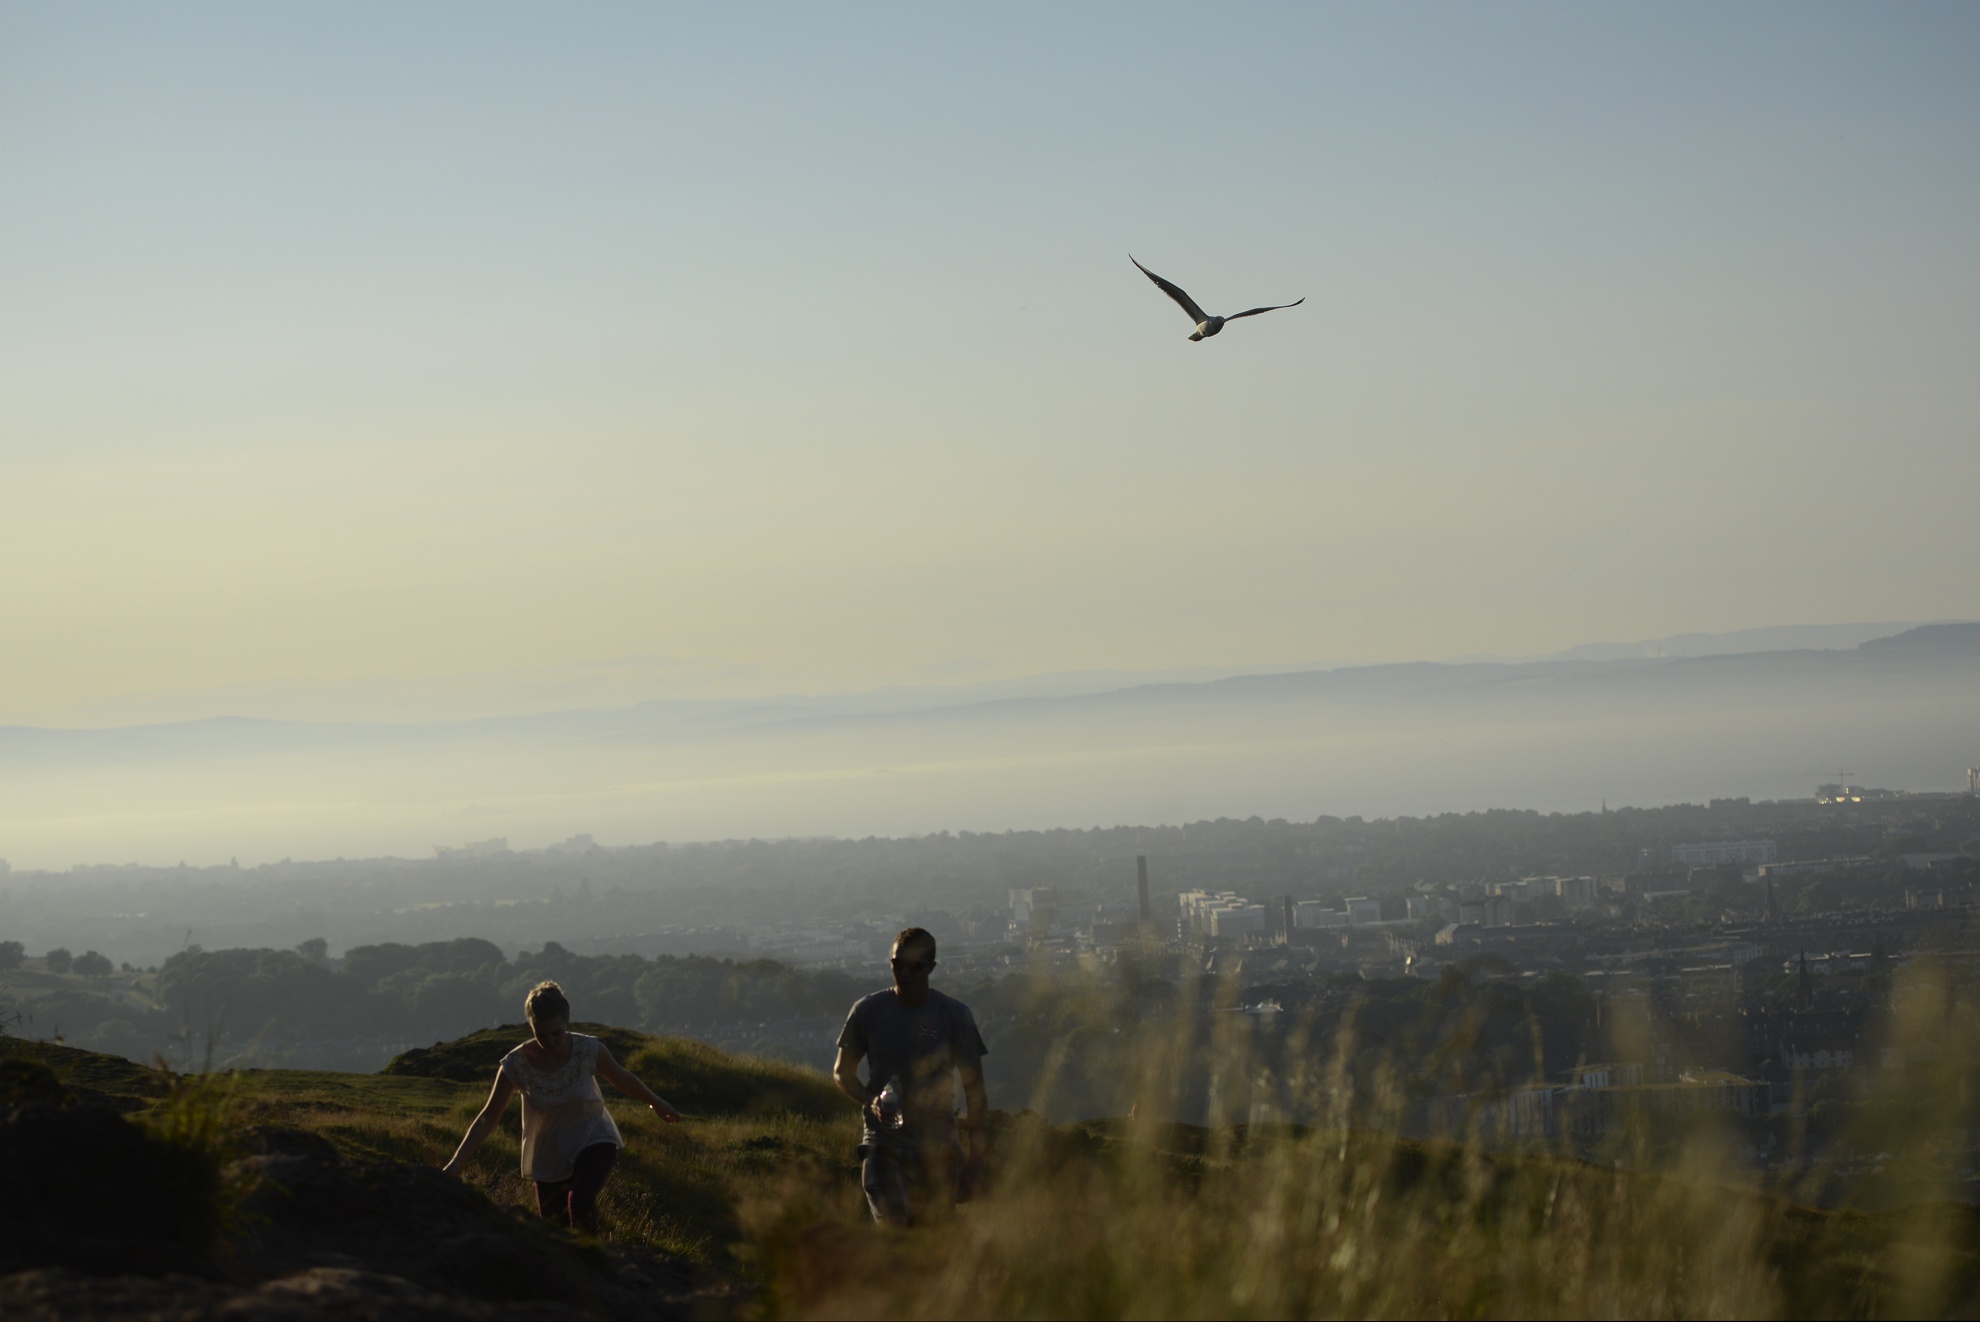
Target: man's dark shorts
point(907, 1186)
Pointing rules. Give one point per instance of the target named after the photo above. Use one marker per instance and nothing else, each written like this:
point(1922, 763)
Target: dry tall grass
point(1305, 1196)
point(1343, 1216)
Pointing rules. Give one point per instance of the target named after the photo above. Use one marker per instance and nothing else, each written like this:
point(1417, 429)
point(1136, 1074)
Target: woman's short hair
point(546, 1000)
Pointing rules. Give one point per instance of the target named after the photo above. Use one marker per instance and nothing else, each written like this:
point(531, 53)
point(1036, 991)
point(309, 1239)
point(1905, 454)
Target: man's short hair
point(915, 938)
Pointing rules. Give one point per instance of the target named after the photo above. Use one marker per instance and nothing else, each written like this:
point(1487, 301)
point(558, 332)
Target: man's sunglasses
point(917, 966)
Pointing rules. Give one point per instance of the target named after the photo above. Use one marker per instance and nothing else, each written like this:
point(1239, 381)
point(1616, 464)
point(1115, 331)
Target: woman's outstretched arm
point(484, 1124)
point(624, 1080)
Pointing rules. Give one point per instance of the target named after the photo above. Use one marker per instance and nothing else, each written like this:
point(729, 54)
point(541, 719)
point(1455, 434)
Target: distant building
point(1596, 1103)
point(1608, 1076)
point(1837, 794)
point(1973, 780)
point(1494, 910)
point(1238, 920)
point(1196, 906)
point(1033, 910)
point(1822, 1058)
point(1317, 913)
point(1834, 962)
point(1361, 911)
point(1815, 865)
point(1576, 891)
point(1710, 853)
point(1224, 914)
point(1422, 906)
point(489, 848)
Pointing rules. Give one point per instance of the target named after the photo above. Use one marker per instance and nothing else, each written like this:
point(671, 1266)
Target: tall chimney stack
point(1141, 880)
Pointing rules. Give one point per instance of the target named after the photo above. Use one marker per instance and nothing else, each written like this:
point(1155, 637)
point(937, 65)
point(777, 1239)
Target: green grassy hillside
point(111, 1081)
point(1119, 1218)
point(676, 1188)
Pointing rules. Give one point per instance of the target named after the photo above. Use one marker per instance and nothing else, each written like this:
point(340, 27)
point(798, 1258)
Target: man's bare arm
point(845, 1073)
point(976, 1124)
point(976, 1105)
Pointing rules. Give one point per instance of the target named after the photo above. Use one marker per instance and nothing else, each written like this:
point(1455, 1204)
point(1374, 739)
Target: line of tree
point(280, 999)
point(58, 961)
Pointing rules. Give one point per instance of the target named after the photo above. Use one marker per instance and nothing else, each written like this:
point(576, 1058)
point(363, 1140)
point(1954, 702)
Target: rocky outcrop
point(306, 1296)
point(411, 1223)
point(82, 1187)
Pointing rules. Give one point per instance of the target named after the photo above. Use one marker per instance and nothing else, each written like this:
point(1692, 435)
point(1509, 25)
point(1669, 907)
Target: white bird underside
point(1206, 325)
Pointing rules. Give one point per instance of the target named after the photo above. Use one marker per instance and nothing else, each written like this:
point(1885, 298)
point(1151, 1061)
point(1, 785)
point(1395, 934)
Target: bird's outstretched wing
point(1255, 311)
point(1188, 304)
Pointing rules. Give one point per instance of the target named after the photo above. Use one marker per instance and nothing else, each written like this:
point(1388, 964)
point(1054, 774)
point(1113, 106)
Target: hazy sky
point(797, 347)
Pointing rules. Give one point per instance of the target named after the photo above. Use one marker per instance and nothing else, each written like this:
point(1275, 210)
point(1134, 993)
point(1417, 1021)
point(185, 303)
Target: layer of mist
point(1900, 711)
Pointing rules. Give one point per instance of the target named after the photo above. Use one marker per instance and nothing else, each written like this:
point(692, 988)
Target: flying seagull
point(1206, 325)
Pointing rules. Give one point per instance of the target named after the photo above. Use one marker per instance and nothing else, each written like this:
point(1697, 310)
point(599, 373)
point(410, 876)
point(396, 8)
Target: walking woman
point(569, 1140)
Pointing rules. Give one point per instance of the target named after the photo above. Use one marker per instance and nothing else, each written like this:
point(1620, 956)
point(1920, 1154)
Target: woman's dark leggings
point(574, 1202)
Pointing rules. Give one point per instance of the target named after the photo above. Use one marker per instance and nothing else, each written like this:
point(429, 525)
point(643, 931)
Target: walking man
point(915, 1041)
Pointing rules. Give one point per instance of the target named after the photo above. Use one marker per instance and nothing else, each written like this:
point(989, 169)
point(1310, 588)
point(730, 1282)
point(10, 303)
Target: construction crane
point(1839, 792)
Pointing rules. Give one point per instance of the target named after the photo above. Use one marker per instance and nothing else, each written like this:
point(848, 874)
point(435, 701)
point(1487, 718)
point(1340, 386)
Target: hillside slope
point(330, 1206)
point(341, 1211)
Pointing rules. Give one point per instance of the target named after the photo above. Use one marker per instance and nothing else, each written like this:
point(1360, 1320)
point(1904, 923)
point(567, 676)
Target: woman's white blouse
point(563, 1113)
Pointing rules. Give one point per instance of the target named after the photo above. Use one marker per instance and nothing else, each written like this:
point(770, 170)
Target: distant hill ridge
point(1962, 636)
point(1771, 638)
point(257, 734)
point(1374, 740)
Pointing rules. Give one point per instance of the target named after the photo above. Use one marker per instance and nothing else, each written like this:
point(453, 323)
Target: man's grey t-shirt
point(920, 1046)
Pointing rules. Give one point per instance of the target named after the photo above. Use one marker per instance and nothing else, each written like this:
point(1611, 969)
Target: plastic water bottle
point(891, 1113)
